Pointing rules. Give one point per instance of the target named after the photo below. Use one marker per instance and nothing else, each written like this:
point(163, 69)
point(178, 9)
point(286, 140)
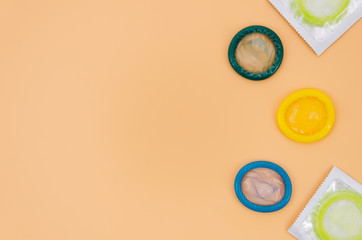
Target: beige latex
point(263, 186)
point(255, 53)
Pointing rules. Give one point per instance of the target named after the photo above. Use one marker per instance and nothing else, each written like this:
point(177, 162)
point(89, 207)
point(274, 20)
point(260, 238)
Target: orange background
point(125, 120)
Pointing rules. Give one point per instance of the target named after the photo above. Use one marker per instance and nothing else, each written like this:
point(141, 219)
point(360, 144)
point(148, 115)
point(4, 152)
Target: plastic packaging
point(334, 212)
point(320, 22)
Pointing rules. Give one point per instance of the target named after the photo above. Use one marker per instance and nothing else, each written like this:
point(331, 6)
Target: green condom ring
point(327, 202)
point(279, 52)
point(321, 20)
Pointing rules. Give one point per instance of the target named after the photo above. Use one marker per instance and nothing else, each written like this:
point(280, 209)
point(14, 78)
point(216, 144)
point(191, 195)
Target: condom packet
point(334, 211)
point(320, 22)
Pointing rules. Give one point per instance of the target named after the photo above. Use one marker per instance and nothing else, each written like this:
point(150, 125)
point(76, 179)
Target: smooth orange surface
point(125, 120)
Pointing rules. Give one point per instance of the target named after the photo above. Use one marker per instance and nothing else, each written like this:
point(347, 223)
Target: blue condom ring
point(261, 208)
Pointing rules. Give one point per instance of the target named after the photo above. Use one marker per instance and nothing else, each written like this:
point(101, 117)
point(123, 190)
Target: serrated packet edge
point(318, 47)
point(333, 175)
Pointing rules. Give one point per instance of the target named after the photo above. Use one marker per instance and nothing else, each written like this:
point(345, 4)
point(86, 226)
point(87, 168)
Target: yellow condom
point(306, 115)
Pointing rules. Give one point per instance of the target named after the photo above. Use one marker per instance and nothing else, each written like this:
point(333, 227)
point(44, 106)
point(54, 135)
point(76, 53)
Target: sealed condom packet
point(334, 212)
point(319, 22)
point(263, 186)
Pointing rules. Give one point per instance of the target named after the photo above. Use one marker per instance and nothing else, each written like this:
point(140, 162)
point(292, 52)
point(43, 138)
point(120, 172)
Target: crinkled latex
point(255, 53)
point(263, 186)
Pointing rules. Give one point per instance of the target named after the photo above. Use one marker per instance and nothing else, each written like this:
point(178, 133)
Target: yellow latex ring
point(306, 115)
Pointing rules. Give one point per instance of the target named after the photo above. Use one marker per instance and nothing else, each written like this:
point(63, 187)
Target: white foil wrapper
point(319, 36)
point(303, 227)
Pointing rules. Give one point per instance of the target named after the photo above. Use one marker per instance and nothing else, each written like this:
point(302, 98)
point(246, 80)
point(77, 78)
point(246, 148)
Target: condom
point(263, 186)
point(320, 22)
point(306, 115)
point(334, 212)
point(256, 52)
point(339, 216)
point(320, 12)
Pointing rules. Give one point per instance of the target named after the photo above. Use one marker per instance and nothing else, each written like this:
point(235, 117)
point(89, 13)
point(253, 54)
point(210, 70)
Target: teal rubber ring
point(279, 52)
